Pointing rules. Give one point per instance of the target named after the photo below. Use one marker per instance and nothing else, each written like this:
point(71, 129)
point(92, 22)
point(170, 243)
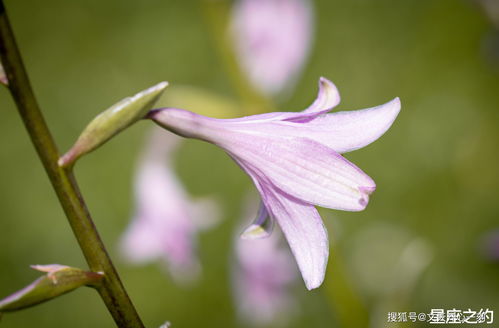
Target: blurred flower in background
point(166, 219)
point(263, 274)
point(272, 39)
point(490, 245)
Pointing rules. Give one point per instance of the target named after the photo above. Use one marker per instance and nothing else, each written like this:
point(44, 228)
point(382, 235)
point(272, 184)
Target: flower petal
point(327, 98)
point(342, 131)
point(188, 124)
point(261, 227)
point(351, 130)
point(305, 233)
point(306, 170)
point(301, 224)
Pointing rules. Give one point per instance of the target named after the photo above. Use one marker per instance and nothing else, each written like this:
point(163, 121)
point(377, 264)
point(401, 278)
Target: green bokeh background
point(436, 169)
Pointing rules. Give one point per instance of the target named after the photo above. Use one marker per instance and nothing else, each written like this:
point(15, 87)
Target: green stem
point(217, 15)
point(351, 311)
point(111, 291)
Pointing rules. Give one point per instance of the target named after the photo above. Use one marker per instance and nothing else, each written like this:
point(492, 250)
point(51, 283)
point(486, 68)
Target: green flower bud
point(113, 120)
point(60, 279)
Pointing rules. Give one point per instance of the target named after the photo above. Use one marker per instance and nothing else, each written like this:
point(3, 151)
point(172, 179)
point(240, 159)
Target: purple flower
point(294, 161)
point(272, 39)
point(166, 220)
point(262, 276)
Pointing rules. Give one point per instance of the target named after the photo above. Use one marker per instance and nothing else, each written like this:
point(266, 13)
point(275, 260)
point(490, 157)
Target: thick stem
point(112, 291)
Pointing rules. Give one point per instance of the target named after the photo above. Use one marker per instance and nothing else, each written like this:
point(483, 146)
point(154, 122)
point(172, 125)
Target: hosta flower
point(166, 220)
point(263, 274)
point(294, 161)
point(272, 40)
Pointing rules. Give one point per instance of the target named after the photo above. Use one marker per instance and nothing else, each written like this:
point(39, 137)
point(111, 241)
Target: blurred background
point(427, 240)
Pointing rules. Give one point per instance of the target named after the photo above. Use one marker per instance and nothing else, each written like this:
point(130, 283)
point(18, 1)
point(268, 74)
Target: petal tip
point(314, 284)
point(367, 190)
point(331, 91)
point(327, 97)
point(325, 85)
point(254, 231)
point(323, 80)
point(394, 106)
point(364, 198)
point(397, 103)
point(392, 109)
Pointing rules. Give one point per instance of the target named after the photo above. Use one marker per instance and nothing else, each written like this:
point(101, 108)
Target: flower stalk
point(217, 15)
point(111, 290)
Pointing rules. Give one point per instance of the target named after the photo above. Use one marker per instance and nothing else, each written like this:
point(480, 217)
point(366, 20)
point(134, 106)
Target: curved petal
point(351, 130)
point(306, 170)
point(261, 227)
point(305, 233)
point(263, 224)
point(327, 98)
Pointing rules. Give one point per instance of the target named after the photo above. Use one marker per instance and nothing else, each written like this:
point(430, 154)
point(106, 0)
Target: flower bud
point(60, 279)
point(113, 120)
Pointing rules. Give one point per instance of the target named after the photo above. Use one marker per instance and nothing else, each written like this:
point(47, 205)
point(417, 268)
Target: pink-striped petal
point(306, 170)
point(351, 130)
point(327, 98)
point(305, 233)
point(342, 131)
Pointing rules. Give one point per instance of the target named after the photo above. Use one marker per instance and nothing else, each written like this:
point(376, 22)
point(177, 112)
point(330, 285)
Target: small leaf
point(60, 279)
point(113, 120)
